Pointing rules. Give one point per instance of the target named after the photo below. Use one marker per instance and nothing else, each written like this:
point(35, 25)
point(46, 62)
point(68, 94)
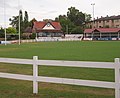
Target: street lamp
point(19, 27)
point(93, 4)
point(19, 19)
point(5, 22)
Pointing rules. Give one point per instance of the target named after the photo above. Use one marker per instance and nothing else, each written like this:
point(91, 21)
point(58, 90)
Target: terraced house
point(105, 22)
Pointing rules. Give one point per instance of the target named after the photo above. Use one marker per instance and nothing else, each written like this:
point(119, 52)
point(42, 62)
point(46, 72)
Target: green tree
point(26, 22)
point(66, 24)
point(15, 22)
point(21, 22)
point(74, 22)
point(11, 30)
point(33, 36)
point(77, 30)
point(78, 18)
point(63, 21)
point(2, 34)
point(31, 23)
point(87, 17)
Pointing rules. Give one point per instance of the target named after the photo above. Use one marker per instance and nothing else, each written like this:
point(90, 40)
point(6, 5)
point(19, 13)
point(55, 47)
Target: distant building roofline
point(102, 30)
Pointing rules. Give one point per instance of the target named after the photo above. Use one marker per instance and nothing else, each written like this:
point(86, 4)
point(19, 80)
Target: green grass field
point(84, 51)
point(88, 51)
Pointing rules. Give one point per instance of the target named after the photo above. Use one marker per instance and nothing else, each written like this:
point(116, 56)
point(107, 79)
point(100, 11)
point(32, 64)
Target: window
point(48, 25)
point(117, 20)
point(117, 26)
point(107, 20)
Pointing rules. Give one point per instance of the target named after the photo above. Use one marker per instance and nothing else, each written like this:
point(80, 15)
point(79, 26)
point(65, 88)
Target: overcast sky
point(49, 9)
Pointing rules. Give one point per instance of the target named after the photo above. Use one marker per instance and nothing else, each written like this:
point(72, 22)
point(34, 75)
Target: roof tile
point(40, 25)
point(103, 30)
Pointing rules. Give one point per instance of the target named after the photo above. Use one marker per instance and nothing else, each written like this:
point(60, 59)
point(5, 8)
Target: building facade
point(47, 29)
point(105, 22)
point(102, 34)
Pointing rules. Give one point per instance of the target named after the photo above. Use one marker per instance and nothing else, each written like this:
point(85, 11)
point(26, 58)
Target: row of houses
point(105, 22)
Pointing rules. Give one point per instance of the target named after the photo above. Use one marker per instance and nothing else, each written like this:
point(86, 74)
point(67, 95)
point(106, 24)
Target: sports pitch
point(80, 51)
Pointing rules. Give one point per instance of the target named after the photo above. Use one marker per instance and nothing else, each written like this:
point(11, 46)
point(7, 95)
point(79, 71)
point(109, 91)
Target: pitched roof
point(105, 18)
point(108, 18)
point(56, 25)
point(102, 30)
point(41, 25)
point(108, 30)
point(88, 30)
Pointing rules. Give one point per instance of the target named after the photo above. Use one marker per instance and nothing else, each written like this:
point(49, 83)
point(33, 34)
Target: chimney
point(107, 16)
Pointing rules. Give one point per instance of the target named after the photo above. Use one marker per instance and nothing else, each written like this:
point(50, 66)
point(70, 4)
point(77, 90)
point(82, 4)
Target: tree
point(66, 24)
point(78, 18)
point(77, 30)
point(31, 23)
point(15, 21)
point(11, 30)
point(74, 22)
point(2, 34)
point(21, 22)
point(63, 21)
point(26, 22)
point(33, 36)
point(87, 17)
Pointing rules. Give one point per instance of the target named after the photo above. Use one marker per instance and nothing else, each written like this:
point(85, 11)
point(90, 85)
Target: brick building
point(105, 22)
point(47, 29)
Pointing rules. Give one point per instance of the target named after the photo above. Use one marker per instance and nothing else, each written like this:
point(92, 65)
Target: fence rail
point(35, 78)
point(109, 65)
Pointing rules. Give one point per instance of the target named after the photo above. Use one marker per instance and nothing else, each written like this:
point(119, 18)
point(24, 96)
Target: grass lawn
point(85, 51)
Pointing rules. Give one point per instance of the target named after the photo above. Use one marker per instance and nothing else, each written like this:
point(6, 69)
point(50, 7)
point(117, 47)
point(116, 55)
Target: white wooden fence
point(35, 78)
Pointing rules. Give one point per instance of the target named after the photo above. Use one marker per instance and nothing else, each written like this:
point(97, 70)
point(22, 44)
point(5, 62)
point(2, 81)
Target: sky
point(49, 9)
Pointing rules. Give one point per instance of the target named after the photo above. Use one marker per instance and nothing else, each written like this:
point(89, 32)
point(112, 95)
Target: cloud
point(8, 4)
point(51, 12)
point(42, 9)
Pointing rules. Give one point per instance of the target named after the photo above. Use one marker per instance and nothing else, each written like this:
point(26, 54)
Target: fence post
point(35, 75)
point(117, 78)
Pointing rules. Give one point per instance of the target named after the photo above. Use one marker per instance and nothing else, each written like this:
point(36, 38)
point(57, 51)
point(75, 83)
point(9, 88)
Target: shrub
point(33, 36)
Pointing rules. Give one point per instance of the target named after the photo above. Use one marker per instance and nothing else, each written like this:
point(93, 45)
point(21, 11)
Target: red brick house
point(47, 29)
